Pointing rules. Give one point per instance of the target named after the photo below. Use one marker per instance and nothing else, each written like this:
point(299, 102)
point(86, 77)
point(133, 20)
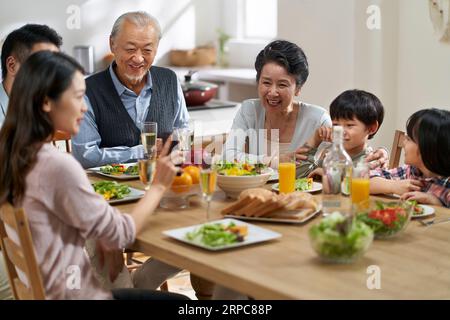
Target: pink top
point(63, 211)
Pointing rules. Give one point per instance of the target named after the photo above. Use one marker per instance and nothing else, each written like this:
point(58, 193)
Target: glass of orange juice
point(286, 172)
point(360, 186)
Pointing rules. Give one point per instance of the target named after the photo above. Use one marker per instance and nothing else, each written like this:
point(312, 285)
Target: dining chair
point(133, 263)
point(62, 136)
point(396, 149)
point(20, 255)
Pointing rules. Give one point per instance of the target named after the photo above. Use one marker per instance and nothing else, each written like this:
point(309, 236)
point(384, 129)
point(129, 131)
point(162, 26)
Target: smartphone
point(164, 136)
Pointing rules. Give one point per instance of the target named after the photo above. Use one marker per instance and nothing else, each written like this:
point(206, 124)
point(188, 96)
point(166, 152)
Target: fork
point(433, 222)
point(317, 156)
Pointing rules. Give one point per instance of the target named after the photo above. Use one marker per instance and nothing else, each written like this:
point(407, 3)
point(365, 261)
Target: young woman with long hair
point(62, 208)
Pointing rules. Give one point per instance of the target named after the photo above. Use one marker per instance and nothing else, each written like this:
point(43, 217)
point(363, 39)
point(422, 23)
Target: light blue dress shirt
point(86, 144)
point(4, 99)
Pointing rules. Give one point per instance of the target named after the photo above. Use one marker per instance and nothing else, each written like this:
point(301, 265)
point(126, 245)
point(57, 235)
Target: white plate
point(96, 170)
point(266, 219)
point(134, 194)
point(427, 211)
point(317, 186)
point(255, 234)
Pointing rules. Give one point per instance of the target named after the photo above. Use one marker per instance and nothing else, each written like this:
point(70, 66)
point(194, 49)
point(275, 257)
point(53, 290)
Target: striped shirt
point(437, 186)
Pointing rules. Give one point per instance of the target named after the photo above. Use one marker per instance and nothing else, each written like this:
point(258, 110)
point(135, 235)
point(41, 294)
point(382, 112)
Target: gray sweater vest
point(115, 126)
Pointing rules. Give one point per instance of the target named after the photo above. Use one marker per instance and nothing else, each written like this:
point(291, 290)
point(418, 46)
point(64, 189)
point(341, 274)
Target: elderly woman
point(277, 123)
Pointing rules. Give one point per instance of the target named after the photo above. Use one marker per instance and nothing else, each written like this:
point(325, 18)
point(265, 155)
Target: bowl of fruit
point(387, 219)
point(340, 238)
point(184, 185)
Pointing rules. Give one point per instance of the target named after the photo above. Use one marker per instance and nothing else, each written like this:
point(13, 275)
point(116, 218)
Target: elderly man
point(17, 47)
point(127, 94)
point(120, 99)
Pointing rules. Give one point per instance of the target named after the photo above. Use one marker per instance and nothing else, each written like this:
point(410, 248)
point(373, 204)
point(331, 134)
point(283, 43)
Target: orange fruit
point(182, 183)
point(194, 172)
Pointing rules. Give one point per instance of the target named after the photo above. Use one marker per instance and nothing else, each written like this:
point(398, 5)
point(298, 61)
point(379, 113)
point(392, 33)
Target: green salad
point(111, 189)
point(217, 235)
point(338, 238)
point(120, 169)
point(236, 168)
point(303, 184)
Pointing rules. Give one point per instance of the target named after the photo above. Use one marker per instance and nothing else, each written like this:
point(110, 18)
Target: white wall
point(185, 23)
point(424, 63)
point(375, 61)
point(402, 63)
point(324, 29)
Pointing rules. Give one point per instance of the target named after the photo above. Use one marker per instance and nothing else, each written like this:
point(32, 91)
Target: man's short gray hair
point(139, 18)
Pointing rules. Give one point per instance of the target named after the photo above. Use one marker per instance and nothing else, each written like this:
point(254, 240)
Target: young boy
point(361, 114)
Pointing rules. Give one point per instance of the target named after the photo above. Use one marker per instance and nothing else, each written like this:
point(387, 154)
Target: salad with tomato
point(417, 208)
point(387, 219)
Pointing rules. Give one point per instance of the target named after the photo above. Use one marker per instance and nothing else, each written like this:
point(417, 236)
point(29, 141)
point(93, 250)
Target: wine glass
point(146, 171)
point(208, 178)
point(147, 163)
point(149, 134)
point(183, 138)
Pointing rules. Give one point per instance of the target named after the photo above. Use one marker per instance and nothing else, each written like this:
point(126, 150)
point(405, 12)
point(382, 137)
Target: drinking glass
point(286, 173)
point(360, 186)
point(147, 163)
point(149, 134)
point(182, 136)
point(146, 171)
point(208, 178)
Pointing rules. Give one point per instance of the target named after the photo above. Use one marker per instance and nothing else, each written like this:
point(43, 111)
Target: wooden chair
point(21, 255)
point(132, 263)
point(62, 136)
point(396, 149)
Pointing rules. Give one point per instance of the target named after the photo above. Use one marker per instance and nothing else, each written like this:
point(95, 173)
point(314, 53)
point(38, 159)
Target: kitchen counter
point(234, 83)
point(211, 73)
point(215, 118)
point(213, 104)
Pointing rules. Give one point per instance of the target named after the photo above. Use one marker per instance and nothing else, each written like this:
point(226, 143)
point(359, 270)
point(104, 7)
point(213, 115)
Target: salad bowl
point(233, 177)
point(340, 239)
point(387, 219)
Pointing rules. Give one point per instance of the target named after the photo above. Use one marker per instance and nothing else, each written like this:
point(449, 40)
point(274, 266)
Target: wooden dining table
point(413, 265)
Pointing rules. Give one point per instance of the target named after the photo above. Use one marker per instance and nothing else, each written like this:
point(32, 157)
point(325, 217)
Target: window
point(259, 19)
point(250, 19)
